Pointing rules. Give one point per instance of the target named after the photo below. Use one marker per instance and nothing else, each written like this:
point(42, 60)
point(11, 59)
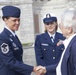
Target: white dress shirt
point(53, 36)
point(66, 43)
point(13, 33)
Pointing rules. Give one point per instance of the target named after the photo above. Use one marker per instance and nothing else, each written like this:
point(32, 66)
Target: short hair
point(68, 18)
point(3, 17)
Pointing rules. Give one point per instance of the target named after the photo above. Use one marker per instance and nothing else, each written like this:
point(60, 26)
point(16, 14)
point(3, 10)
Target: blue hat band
point(49, 20)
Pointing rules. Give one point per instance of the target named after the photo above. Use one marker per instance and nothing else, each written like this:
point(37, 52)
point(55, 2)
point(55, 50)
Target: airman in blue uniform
point(46, 50)
point(10, 47)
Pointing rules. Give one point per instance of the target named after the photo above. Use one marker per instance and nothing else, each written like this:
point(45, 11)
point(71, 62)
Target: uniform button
point(53, 50)
point(62, 49)
point(44, 49)
point(53, 57)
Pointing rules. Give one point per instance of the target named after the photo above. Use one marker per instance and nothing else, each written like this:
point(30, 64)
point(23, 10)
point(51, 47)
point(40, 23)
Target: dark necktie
point(17, 39)
point(52, 39)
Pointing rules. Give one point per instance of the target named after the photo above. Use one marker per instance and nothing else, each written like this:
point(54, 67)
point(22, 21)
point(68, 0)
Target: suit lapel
point(69, 46)
point(66, 57)
point(10, 36)
point(56, 40)
point(16, 41)
point(48, 39)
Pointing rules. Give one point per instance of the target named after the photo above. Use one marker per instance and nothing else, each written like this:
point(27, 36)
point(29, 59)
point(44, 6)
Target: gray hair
point(68, 18)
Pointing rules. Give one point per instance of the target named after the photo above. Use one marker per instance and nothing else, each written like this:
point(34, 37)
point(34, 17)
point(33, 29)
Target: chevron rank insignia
point(4, 48)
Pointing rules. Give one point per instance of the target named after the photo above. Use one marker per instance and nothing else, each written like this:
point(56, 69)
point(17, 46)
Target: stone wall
point(28, 8)
point(26, 30)
point(27, 27)
point(29, 57)
point(55, 7)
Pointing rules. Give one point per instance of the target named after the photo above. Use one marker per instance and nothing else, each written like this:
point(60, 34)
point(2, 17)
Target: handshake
point(39, 70)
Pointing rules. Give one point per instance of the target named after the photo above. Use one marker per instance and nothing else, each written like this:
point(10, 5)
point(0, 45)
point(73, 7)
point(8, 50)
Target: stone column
point(26, 31)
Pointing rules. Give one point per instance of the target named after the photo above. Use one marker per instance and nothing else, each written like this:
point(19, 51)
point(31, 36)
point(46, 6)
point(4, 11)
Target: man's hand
point(60, 42)
point(39, 70)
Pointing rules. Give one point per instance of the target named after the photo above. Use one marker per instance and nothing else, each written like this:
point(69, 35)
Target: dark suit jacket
point(11, 56)
point(47, 52)
point(68, 66)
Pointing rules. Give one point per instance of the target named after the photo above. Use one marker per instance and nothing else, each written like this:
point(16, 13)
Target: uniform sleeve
point(7, 58)
point(51, 68)
point(38, 52)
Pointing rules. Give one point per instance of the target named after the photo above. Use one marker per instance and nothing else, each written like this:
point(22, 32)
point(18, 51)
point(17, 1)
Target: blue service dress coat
point(47, 52)
point(68, 65)
point(11, 56)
